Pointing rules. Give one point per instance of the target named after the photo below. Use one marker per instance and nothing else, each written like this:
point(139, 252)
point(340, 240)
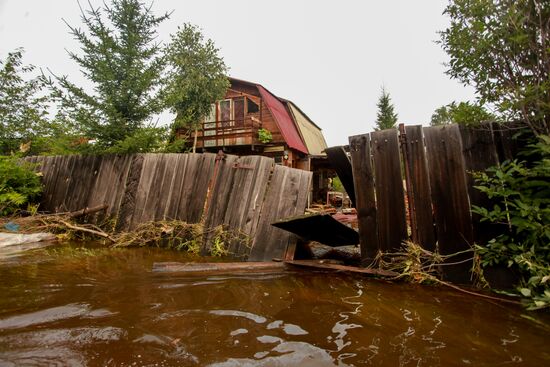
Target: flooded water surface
point(67, 305)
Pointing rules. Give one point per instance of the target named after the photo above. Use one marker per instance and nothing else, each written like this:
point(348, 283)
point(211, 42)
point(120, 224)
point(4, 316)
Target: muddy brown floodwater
point(69, 305)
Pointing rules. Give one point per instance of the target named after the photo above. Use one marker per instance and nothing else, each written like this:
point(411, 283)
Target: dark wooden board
point(325, 265)
point(480, 152)
point(320, 227)
point(420, 199)
point(450, 196)
point(390, 199)
point(341, 163)
point(363, 181)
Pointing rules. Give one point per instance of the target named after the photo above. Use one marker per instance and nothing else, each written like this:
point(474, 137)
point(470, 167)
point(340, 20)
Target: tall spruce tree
point(124, 62)
point(386, 118)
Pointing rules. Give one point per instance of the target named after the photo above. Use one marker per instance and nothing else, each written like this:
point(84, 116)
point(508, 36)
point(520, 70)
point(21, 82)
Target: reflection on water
point(97, 307)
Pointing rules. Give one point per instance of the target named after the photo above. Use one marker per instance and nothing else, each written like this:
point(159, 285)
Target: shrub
point(521, 194)
point(264, 136)
point(19, 185)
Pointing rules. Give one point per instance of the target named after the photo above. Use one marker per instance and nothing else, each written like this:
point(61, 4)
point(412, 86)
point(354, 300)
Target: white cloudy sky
point(329, 57)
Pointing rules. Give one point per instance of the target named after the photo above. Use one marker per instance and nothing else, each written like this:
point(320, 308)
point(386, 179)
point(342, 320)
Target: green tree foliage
point(386, 118)
point(26, 126)
point(142, 140)
point(442, 115)
point(123, 60)
point(19, 185)
point(464, 113)
point(502, 49)
point(521, 195)
point(196, 76)
point(23, 104)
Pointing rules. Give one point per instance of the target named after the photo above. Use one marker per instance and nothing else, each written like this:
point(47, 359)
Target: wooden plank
point(63, 182)
point(341, 163)
point(198, 174)
point(480, 152)
point(199, 177)
point(243, 210)
point(87, 181)
point(47, 176)
point(154, 194)
point(325, 265)
point(221, 185)
point(363, 182)
point(146, 181)
point(128, 198)
point(176, 184)
point(286, 196)
point(420, 200)
point(390, 198)
point(450, 196)
point(221, 267)
point(164, 186)
point(110, 183)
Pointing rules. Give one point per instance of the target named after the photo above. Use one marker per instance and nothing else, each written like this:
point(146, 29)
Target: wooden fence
point(245, 194)
point(432, 166)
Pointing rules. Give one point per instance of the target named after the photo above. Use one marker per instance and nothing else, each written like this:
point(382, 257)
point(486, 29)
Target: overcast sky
point(329, 57)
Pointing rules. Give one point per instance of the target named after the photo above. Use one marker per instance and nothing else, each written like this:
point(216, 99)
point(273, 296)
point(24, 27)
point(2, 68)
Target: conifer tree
point(386, 117)
point(124, 62)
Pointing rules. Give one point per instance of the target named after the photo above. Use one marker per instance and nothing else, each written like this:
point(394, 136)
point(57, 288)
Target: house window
point(251, 106)
point(238, 111)
point(225, 112)
point(210, 119)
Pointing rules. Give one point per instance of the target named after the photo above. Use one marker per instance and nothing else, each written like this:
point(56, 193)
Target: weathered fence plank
point(249, 185)
point(388, 182)
point(128, 198)
point(363, 182)
point(286, 196)
point(450, 196)
point(480, 152)
point(221, 185)
point(197, 178)
point(420, 200)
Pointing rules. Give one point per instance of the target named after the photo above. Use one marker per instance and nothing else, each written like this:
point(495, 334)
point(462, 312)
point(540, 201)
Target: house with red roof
point(250, 120)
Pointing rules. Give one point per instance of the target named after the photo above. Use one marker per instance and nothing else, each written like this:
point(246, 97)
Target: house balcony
point(229, 133)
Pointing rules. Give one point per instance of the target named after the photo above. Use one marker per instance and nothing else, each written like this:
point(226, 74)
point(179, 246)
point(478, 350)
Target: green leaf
point(526, 292)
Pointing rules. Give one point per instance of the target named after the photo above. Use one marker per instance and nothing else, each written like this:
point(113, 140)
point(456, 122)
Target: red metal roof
point(283, 119)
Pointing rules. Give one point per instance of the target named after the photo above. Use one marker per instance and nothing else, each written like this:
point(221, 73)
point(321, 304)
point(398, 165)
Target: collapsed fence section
point(243, 195)
point(416, 183)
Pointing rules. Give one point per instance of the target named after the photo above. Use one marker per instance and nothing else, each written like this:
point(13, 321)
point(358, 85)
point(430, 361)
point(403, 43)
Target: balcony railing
point(231, 132)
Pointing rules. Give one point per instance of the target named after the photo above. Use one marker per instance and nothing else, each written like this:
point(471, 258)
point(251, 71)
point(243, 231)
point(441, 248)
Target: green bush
point(19, 184)
point(264, 136)
point(521, 195)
